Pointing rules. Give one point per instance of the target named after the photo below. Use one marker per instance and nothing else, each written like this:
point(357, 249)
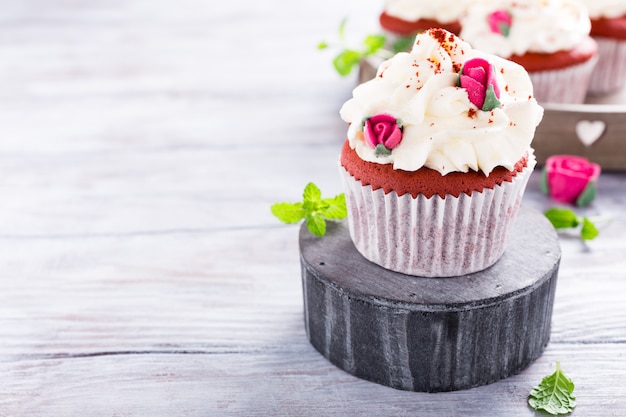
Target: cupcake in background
point(549, 38)
point(407, 17)
point(608, 28)
point(437, 157)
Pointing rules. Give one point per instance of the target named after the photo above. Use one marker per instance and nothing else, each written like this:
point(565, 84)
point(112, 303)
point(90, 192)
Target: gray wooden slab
point(431, 334)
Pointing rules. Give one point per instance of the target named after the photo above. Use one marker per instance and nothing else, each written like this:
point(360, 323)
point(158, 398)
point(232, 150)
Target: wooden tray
point(595, 130)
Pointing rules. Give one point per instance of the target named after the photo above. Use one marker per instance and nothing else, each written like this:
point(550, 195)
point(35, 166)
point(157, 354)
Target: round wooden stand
point(431, 334)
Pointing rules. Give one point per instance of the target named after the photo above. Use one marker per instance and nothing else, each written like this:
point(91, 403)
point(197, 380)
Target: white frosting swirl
point(544, 26)
point(443, 11)
point(442, 129)
point(605, 8)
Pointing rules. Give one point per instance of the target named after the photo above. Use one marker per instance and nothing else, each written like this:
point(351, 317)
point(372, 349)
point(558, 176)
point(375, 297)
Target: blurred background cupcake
point(407, 17)
point(549, 38)
point(608, 28)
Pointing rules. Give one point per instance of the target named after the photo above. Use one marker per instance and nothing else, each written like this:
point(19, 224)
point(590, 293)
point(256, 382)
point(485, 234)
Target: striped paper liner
point(566, 85)
point(609, 75)
point(436, 237)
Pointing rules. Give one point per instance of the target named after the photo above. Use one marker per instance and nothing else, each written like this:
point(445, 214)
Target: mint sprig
point(313, 209)
point(563, 218)
point(554, 394)
point(372, 45)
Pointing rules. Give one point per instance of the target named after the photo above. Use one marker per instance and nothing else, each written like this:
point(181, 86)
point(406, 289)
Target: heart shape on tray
point(589, 132)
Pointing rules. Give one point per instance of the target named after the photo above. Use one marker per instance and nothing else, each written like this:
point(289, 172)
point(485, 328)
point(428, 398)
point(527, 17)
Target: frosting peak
point(436, 108)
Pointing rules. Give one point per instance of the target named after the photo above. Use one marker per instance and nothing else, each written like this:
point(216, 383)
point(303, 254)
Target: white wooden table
point(141, 272)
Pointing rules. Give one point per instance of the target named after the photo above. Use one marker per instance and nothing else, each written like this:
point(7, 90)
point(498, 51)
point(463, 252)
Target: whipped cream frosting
point(542, 26)
point(443, 11)
point(605, 8)
point(441, 128)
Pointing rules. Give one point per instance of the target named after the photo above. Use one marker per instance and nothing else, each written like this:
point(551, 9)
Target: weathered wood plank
point(115, 279)
point(294, 381)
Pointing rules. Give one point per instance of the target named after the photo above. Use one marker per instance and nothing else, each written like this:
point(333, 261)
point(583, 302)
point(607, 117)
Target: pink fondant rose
point(383, 132)
point(478, 78)
point(570, 179)
point(500, 22)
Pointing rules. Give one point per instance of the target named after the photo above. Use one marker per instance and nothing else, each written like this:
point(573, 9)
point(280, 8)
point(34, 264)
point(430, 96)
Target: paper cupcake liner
point(436, 237)
point(567, 85)
point(609, 73)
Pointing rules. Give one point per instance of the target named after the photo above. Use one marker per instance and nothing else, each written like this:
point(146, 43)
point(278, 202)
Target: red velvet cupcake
point(437, 158)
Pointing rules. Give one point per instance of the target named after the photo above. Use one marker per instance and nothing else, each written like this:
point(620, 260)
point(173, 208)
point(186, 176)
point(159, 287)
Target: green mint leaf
point(314, 209)
point(322, 45)
point(342, 29)
point(336, 209)
point(288, 212)
point(346, 61)
point(311, 193)
point(316, 224)
point(373, 43)
point(312, 199)
point(562, 218)
point(554, 394)
point(589, 230)
point(402, 44)
point(348, 58)
point(587, 196)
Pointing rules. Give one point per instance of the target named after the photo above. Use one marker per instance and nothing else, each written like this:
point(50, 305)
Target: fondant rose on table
point(500, 22)
point(478, 77)
point(570, 179)
point(383, 132)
